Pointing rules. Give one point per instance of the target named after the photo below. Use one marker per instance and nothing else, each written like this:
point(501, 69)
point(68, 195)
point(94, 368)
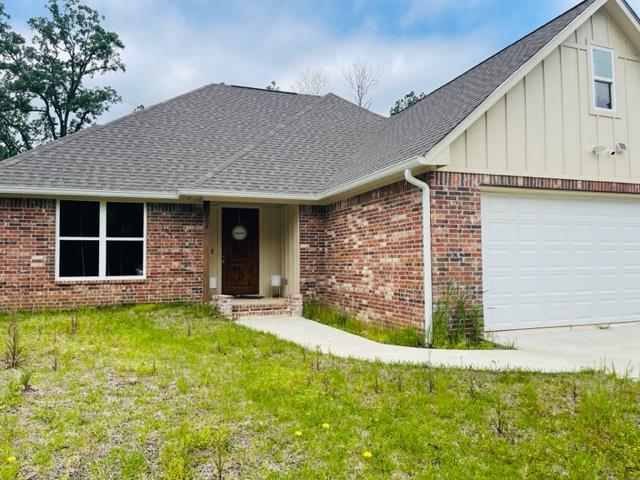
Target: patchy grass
point(407, 337)
point(173, 392)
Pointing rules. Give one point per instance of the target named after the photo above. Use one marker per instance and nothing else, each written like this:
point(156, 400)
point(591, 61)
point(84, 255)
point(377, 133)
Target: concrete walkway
point(550, 350)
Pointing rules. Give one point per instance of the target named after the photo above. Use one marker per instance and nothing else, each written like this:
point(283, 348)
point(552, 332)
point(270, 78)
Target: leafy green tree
point(15, 132)
point(406, 101)
point(45, 79)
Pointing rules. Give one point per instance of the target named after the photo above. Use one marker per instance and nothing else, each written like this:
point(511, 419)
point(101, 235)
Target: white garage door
point(553, 260)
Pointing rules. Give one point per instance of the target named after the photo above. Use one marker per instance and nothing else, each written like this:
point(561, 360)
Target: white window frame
point(102, 245)
point(595, 78)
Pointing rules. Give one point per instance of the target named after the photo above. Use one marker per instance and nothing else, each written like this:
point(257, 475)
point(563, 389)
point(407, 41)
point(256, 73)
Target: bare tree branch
point(313, 81)
point(362, 78)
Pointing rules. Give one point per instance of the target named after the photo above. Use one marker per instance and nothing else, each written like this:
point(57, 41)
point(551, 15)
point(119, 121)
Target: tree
point(362, 78)
point(405, 102)
point(15, 134)
point(312, 82)
point(273, 86)
point(68, 47)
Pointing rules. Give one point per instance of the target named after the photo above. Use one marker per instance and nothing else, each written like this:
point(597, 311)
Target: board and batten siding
point(546, 125)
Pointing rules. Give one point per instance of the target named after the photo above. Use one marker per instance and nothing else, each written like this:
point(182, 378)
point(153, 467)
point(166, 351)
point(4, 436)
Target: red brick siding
point(175, 234)
point(371, 263)
point(365, 253)
point(312, 251)
point(456, 242)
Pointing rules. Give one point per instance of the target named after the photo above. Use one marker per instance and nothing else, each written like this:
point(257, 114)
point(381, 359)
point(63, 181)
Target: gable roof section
point(416, 130)
point(233, 141)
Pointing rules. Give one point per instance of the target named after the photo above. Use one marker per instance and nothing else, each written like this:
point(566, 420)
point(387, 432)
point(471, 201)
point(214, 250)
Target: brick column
point(223, 304)
point(294, 301)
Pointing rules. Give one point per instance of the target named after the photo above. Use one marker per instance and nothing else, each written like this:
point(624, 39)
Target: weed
point(73, 324)
point(499, 422)
point(316, 365)
point(326, 384)
point(574, 395)
point(220, 444)
point(25, 381)
point(14, 353)
point(376, 382)
point(431, 384)
point(473, 388)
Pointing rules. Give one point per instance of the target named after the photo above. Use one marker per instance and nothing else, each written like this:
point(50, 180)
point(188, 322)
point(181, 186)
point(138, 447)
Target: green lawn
point(159, 391)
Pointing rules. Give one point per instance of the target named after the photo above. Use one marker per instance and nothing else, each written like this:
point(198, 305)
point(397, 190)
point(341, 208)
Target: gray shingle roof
point(420, 127)
point(236, 139)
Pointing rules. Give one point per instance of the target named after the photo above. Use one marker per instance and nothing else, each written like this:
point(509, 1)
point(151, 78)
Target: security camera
point(612, 153)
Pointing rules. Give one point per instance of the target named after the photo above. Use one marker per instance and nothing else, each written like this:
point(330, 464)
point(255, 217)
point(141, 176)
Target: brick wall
point(27, 259)
point(365, 255)
point(456, 241)
point(312, 250)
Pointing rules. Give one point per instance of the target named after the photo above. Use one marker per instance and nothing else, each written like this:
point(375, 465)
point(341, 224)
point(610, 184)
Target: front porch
point(252, 259)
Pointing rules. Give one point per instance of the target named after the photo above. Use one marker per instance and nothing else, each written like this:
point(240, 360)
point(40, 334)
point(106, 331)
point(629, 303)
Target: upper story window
point(100, 240)
point(603, 78)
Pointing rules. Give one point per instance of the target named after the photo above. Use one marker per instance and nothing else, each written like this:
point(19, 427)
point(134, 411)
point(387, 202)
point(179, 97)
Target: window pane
point(125, 220)
point(602, 64)
point(78, 258)
point(79, 219)
point(603, 95)
point(124, 258)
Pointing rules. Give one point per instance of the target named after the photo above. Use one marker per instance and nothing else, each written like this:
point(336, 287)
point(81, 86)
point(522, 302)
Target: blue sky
point(175, 46)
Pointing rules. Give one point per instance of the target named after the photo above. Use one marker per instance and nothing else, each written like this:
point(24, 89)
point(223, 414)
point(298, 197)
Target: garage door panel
point(551, 260)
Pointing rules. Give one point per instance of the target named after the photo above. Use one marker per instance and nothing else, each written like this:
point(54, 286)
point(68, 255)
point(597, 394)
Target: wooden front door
point(240, 246)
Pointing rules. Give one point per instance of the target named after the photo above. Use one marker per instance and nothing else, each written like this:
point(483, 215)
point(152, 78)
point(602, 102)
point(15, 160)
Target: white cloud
point(170, 50)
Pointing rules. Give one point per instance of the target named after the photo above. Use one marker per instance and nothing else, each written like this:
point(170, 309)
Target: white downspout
point(426, 252)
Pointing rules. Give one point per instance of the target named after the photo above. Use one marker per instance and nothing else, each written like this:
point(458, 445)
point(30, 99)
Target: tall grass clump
point(457, 321)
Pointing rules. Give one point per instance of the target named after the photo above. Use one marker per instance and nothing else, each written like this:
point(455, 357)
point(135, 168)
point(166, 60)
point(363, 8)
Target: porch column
point(206, 296)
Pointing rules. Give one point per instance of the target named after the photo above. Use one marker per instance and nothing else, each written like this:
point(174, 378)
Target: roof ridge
point(242, 152)
point(92, 128)
point(357, 106)
point(492, 56)
point(284, 92)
